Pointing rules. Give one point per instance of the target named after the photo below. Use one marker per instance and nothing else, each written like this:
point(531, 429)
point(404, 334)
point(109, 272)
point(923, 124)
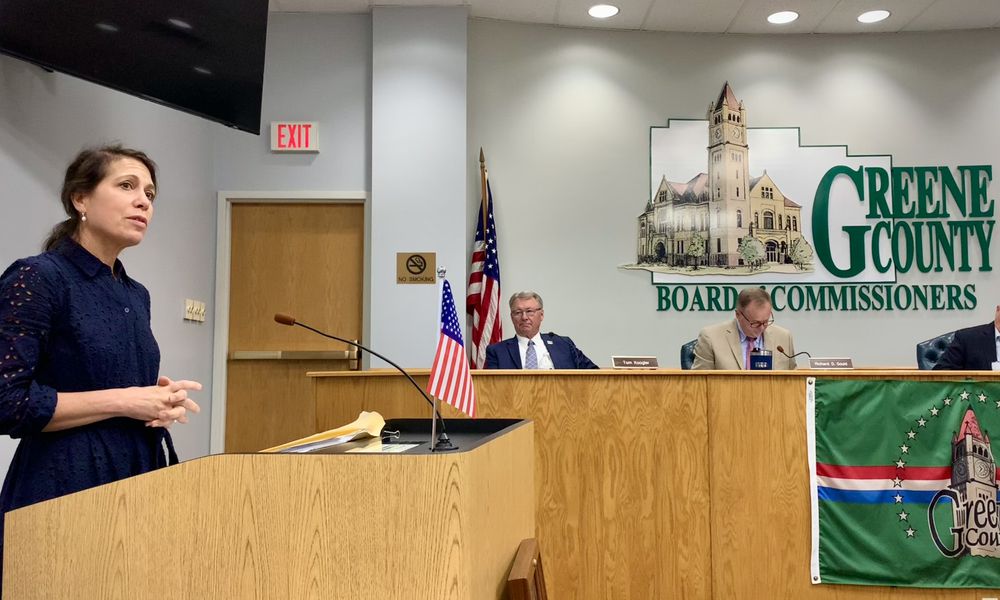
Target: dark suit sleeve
point(491, 357)
point(580, 360)
point(954, 358)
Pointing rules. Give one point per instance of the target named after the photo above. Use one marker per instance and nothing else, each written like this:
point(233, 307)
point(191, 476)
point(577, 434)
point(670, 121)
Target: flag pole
point(482, 179)
point(441, 271)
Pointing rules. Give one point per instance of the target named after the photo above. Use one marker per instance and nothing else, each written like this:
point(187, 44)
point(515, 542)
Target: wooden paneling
point(284, 526)
point(655, 484)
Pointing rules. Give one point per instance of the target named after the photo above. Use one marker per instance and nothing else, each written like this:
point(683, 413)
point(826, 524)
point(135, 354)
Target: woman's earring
point(83, 217)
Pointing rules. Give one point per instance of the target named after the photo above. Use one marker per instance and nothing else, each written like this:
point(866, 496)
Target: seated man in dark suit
point(973, 349)
point(530, 349)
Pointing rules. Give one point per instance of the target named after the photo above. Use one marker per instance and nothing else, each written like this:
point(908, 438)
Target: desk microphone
point(782, 350)
point(443, 443)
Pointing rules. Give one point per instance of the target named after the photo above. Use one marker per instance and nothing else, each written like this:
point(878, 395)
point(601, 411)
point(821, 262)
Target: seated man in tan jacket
point(727, 345)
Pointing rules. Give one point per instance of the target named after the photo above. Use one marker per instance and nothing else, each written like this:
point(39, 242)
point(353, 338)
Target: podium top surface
point(414, 436)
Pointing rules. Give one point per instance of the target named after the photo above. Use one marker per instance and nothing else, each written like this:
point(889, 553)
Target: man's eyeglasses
point(769, 321)
point(530, 312)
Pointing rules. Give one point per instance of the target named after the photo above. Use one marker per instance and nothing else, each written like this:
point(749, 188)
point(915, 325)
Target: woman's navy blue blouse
point(68, 324)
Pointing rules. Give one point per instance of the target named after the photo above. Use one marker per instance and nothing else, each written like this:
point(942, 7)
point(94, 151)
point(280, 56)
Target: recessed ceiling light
point(873, 16)
point(602, 11)
point(179, 23)
point(107, 27)
point(785, 16)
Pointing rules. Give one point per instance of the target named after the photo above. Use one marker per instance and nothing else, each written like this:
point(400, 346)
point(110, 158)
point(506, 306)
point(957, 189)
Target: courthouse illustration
point(720, 208)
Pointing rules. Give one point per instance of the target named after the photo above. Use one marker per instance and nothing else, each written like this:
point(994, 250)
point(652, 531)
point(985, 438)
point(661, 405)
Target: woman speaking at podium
point(79, 367)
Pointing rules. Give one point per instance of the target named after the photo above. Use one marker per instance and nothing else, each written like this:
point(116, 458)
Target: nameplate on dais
point(634, 362)
point(831, 363)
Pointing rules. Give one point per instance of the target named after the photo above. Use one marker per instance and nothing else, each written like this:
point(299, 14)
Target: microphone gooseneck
point(442, 443)
point(782, 350)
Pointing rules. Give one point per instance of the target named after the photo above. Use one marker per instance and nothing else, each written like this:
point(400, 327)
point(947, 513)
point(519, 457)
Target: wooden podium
point(389, 525)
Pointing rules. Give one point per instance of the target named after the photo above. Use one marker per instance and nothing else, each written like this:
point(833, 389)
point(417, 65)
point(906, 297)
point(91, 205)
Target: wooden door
point(304, 260)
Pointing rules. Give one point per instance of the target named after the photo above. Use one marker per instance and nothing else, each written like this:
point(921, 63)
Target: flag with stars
point(483, 299)
point(903, 482)
point(450, 378)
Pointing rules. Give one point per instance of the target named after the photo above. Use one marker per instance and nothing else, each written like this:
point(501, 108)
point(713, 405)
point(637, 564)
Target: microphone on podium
point(442, 443)
point(782, 350)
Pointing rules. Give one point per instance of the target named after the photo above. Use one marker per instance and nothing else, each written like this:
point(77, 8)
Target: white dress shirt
point(541, 352)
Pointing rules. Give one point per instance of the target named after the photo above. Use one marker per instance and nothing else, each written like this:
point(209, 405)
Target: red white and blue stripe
point(880, 484)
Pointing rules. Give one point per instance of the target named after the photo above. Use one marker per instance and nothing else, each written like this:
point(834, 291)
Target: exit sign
point(294, 136)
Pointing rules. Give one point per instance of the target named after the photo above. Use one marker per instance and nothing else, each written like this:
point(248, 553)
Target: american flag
point(483, 300)
point(450, 378)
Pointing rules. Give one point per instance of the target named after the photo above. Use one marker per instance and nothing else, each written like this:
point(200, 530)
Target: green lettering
point(853, 291)
point(821, 224)
point(795, 298)
point(980, 205)
point(961, 230)
point(984, 235)
point(697, 302)
point(864, 298)
point(937, 297)
point(680, 298)
point(970, 295)
point(731, 296)
point(901, 233)
point(662, 298)
point(814, 299)
point(878, 186)
point(878, 299)
point(898, 292)
point(774, 298)
point(950, 187)
point(713, 298)
point(923, 248)
point(954, 297)
point(926, 186)
point(942, 244)
point(838, 295)
point(881, 228)
point(901, 206)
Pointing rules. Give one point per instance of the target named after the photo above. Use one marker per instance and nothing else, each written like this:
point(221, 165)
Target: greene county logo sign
point(821, 229)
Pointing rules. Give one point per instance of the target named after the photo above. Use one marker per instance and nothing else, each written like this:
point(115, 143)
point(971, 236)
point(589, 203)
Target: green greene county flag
point(903, 478)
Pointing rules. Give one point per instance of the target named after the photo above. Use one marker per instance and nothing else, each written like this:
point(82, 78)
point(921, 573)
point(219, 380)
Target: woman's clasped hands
point(165, 403)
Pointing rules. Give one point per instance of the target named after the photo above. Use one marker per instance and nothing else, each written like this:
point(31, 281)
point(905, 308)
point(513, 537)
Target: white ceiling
point(704, 16)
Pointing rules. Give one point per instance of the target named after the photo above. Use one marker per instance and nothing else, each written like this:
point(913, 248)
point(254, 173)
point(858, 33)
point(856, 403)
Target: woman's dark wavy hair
point(87, 170)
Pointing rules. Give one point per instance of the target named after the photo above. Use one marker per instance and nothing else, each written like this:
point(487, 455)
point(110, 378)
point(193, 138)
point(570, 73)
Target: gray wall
point(45, 119)
point(317, 68)
point(564, 117)
point(418, 172)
